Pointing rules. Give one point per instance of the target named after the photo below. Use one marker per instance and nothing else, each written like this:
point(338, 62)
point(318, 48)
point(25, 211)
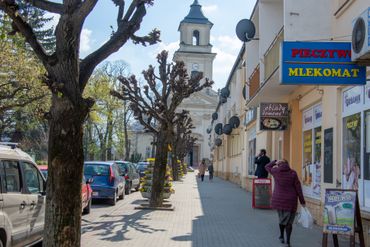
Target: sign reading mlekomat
point(319, 63)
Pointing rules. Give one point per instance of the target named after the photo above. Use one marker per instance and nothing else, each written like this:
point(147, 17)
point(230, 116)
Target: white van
point(22, 198)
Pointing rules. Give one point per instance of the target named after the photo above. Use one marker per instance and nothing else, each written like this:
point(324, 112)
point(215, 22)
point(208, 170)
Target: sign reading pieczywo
point(319, 63)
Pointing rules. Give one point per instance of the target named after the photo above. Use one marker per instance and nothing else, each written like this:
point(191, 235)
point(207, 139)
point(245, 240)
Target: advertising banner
point(319, 63)
point(339, 211)
point(274, 116)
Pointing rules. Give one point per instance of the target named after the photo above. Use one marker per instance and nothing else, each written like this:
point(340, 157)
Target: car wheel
point(122, 195)
point(87, 209)
point(114, 199)
point(128, 189)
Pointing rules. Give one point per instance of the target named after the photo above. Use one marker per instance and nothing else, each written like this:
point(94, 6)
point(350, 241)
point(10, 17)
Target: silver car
point(22, 199)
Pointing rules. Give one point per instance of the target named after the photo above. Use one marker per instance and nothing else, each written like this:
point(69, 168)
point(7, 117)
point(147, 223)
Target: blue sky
point(166, 16)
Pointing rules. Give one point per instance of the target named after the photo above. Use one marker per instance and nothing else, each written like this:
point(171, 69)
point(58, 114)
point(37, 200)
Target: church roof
point(196, 15)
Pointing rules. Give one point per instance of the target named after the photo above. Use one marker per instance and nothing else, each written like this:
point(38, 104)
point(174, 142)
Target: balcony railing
point(272, 55)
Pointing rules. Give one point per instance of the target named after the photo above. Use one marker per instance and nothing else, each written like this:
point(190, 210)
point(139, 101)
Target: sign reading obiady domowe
point(319, 63)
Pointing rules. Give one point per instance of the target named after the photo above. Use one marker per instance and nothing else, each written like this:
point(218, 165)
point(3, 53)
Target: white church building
point(196, 51)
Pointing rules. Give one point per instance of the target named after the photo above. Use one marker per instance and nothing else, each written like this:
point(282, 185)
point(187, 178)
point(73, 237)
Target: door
point(15, 202)
point(34, 189)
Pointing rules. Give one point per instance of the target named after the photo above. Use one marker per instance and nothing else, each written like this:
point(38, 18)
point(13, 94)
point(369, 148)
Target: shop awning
point(272, 92)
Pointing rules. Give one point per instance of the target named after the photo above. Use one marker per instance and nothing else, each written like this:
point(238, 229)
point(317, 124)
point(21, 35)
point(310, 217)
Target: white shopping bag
point(304, 218)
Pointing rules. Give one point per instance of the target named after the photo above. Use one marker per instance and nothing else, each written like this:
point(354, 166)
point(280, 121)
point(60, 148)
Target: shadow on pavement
point(114, 227)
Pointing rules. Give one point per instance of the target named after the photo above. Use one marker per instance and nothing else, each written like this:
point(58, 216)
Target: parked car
point(141, 168)
point(86, 195)
point(22, 198)
point(44, 170)
point(107, 182)
point(128, 170)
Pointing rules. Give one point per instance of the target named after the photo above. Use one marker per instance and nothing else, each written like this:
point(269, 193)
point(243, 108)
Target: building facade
point(327, 138)
point(196, 52)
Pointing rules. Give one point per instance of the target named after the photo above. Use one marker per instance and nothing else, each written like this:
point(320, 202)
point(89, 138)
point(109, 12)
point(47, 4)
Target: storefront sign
point(274, 116)
point(323, 63)
point(352, 98)
point(307, 119)
point(339, 211)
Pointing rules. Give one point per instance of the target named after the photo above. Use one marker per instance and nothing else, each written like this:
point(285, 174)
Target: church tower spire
point(195, 46)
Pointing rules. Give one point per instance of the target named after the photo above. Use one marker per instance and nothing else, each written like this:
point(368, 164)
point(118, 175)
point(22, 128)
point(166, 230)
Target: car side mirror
point(89, 181)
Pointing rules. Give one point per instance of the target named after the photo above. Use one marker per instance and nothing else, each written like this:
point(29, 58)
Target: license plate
point(95, 193)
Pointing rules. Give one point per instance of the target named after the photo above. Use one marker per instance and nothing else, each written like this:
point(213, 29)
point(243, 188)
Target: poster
point(339, 211)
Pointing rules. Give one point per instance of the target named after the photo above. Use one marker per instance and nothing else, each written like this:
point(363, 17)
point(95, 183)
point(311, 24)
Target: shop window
point(251, 156)
point(367, 147)
point(351, 151)
point(307, 158)
point(328, 155)
point(312, 138)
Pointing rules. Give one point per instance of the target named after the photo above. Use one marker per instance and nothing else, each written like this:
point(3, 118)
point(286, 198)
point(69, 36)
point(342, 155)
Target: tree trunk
point(175, 165)
point(110, 139)
point(127, 144)
point(159, 171)
point(63, 220)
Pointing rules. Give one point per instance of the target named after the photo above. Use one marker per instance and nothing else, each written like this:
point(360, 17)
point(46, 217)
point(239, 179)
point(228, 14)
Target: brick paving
point(216, 214)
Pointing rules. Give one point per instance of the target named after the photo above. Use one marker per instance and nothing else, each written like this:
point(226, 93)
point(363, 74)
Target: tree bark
point(127, 144)
point(110, 136)
point(175, 166)
point(63, 220)
point(159, 171)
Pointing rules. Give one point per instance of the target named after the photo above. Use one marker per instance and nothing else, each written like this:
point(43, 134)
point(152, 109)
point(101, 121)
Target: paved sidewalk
point(217, 214)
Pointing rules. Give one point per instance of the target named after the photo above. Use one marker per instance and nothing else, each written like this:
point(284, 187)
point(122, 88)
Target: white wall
point(307, 20)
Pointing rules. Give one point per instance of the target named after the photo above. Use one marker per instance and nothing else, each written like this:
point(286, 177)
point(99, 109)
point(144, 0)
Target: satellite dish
point(218, 129)
point(227, 129)
point(218, 142)
point(214, 116)
point(358, 35)
point(234, 122)
point(223, 100)
point(245, 30)
point(245, 92)
point(209, 130)
point(225, 92)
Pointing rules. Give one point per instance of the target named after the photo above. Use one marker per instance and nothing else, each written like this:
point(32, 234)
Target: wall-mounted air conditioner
point(361, 37)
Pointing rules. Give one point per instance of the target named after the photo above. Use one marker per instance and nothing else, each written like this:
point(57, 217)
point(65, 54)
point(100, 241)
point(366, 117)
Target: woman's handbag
point(305, 218)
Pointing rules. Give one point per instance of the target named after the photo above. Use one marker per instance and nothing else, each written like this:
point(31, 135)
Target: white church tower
point(196, 52)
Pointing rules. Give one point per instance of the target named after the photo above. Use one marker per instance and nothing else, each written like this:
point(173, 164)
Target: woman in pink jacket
point(287, 191)
point(202, 169)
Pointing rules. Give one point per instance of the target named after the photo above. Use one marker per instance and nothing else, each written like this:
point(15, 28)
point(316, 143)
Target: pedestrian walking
point(261, 160)
point(202, 169)
point(210, 170)
point(284, 198)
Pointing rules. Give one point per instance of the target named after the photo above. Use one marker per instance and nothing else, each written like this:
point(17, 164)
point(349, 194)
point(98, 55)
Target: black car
point(141, 168)
point(131, 175)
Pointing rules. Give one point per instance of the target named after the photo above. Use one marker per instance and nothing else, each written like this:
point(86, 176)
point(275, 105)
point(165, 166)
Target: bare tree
point(183, 131)
point(67, 76)
point(159, 99)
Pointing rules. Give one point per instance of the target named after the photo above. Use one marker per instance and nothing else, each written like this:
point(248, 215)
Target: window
point(196, 37)
point(312, 141)
point(96, 170)
point(367, 146)
point(12, 177)
point(351, 151)
point(32, 178)
point(251, 156)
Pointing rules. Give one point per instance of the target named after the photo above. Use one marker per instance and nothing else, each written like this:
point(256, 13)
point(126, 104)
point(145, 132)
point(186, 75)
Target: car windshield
point(123, 166)
point(142, 166)
point(45, 173)
point(96, 170)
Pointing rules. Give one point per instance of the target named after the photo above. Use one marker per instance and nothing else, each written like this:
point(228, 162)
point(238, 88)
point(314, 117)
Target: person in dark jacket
point(261, 160)
point(284, 198)
point(210, 170)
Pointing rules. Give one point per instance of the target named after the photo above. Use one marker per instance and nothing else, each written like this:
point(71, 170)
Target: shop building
point(327, 140)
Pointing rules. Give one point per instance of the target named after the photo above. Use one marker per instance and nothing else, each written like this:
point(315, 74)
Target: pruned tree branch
point(11, 9)
point(125, 30)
